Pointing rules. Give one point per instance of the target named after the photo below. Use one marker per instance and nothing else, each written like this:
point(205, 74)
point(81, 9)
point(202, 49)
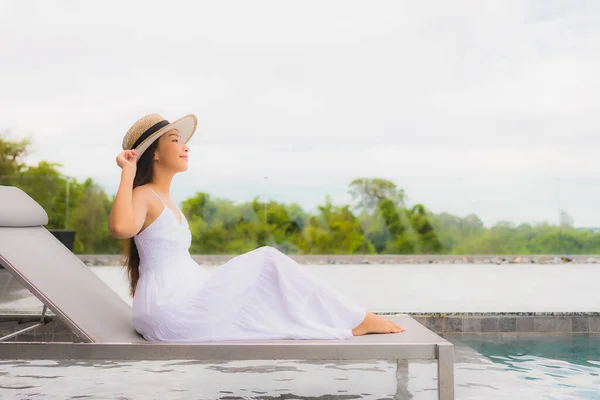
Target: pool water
point(487, 367)
point(544, 367)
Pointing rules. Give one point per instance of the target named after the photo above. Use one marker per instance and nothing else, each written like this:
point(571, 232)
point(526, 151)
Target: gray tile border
point(435, 324)
point(471, 324)
point(507, 324)
point(440, 323)
point(8, 325)
point(14, 326)
point(524, 324)
point(453, 325)
point(489, 324)
point(46, 328)
point(60, 327)
point(543, 324)
point(580, 324)
point(5, 330)
point(25, 337)
point(64, 337)
point(44, 337)
point(563, 324)
point(498, 314)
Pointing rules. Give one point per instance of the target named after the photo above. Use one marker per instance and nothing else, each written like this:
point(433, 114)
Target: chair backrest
point(94, 311)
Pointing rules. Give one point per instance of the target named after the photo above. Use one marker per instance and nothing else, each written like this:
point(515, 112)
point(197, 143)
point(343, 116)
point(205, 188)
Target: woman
point(262, 294)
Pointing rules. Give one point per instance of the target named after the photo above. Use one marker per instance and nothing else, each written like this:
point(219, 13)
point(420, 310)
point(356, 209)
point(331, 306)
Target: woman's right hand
point(127, 159)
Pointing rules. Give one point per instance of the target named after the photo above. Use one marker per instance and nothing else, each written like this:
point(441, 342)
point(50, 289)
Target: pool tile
point(563, 324)
point(543, 324)
point(63, 337)
point(453, 324)
point(471, 324)
point(61, 327)
point(44, 337)
point(507, 324)
point(8, 327)
point(580, 324)
point(435, 324)
point(46, 328)
point(25, 337)
point(524, 324)
point(489, 324)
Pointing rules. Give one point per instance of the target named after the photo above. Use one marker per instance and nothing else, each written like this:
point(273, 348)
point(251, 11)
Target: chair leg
point(445, 356)
point(402, 392)
point(29, 328)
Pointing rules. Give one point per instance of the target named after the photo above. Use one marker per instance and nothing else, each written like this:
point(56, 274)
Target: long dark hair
point(143, 175)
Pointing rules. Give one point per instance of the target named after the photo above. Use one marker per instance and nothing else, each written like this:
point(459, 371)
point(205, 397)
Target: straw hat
point(150, 127)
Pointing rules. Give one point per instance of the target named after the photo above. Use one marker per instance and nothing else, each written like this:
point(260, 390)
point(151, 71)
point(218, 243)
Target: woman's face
point(172, 152)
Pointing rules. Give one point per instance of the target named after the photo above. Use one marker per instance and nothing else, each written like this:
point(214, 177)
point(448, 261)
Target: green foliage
point(334, 231)
point(383, 223)
point(426, 237)
point(11, 157)
point(368, 192)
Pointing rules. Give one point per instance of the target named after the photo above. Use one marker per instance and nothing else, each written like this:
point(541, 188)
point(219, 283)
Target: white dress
point(262, 294)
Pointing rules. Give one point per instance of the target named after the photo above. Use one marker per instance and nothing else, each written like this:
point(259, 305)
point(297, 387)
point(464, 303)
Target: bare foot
point(376, 324)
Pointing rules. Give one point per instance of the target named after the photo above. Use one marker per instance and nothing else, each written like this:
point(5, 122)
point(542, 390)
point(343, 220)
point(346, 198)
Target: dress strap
point(161, 200)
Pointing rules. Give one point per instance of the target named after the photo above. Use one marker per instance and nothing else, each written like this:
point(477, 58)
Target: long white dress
point(262, 294)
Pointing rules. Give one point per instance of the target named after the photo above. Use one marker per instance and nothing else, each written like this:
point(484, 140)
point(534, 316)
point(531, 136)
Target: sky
point(485, 107)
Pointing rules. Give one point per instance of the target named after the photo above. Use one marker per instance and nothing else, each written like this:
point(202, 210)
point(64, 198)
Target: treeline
point(377, 222)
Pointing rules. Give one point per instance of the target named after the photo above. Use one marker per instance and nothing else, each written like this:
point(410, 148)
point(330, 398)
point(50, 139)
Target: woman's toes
point(392, 327)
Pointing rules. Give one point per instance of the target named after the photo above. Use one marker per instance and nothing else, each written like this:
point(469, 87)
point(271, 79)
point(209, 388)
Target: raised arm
point(130, 207)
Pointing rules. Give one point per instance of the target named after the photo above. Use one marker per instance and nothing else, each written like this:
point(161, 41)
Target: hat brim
point(186, 126)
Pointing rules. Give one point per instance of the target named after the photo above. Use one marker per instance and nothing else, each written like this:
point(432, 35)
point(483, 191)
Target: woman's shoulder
point(143, 192)
point(142, 188)
point(144, 199)
point(145, 188)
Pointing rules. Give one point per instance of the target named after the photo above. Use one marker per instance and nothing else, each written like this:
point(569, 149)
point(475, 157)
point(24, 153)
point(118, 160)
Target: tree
point(428, 240)
point(90, 219)
point(47, 186)
point(11, 158)
point(399, 241)
point(335, 231)
point(368, 192)
point(384, 224)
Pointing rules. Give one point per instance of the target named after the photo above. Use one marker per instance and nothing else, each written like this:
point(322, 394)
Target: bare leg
point(376, 324)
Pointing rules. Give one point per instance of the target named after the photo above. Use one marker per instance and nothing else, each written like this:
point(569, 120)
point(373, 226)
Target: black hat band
point(150, 131)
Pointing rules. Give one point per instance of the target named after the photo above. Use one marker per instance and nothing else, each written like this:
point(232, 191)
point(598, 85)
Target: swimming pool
point(487, 367)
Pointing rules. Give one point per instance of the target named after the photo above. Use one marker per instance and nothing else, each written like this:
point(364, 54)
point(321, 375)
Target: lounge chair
point(102, 319)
